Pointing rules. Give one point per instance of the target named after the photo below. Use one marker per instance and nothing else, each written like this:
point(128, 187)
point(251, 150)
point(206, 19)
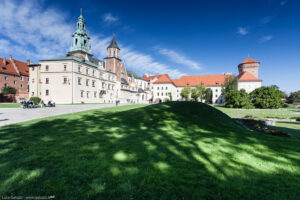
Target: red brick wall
point(17, 85)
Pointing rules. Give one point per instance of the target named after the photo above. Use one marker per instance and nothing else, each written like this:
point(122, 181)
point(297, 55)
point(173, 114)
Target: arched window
point(76, 41)
point(84, 42)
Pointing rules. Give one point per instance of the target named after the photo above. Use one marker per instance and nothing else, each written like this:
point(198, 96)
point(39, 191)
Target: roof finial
point(81, 11)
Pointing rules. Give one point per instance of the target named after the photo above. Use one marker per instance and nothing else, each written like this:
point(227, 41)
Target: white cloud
point(146, 64)
point(108, 18)
point(179, 58)
point(266, 38)
point(29, 30)
point(242, 31)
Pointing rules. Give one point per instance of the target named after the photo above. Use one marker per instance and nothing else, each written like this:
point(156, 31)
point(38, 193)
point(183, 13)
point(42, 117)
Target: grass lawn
point(293, 128)
point(261, 113)
point(10, 105)
point(177, 150)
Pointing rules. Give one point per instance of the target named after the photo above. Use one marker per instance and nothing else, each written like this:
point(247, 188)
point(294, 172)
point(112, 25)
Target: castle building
point(163, 87)
point(78, 77)
point(15, 73)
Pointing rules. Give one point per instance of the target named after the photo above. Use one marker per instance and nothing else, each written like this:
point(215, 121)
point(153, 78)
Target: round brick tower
point(249, 65)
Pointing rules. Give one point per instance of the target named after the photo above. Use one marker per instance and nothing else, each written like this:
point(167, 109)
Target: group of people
point(41, 104)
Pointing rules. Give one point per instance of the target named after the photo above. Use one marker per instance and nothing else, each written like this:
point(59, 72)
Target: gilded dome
point(133, 84)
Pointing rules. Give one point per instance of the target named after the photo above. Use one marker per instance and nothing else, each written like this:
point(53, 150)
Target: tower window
point(84, 42)
point(76, 41)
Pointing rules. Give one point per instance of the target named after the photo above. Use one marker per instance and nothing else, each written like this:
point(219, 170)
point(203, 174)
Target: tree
point(185, 93)
point(238, 99)
point(9, 90)
point(200, 90)
point(208, 95)
point(266, 97)
point(294, 96)
point(231, 83)
point(130, 73)
point(194, 94)
point(170, 96)
point(35, 100)
point(276, 87)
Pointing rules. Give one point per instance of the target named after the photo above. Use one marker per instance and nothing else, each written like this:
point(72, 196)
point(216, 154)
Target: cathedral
point(79, 77)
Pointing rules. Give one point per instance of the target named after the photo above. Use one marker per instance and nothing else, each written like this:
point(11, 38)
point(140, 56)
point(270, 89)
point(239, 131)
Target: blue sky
point(176, 37)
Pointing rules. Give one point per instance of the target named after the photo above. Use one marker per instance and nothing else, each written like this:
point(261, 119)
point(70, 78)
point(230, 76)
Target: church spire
point(113, 43)
point(81, 39)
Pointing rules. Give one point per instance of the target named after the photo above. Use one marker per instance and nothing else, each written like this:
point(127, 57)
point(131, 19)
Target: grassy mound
point(179, 150)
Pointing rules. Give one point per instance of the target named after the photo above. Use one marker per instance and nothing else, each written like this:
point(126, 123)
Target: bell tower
point(113, 61)
point(81, 40)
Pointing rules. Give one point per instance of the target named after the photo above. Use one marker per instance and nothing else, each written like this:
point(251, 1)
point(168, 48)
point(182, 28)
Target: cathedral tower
point(81, 41)
point(114, 63)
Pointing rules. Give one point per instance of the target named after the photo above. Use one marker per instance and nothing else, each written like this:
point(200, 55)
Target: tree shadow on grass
point(166, 151)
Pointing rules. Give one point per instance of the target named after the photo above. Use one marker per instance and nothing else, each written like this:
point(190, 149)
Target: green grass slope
point(179, 150)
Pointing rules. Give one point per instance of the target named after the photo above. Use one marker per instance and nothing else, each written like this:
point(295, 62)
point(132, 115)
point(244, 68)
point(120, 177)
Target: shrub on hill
point(266, 97)
point(208, 95)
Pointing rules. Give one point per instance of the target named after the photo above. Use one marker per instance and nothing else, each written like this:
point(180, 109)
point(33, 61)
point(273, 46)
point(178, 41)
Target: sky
point(178, 37)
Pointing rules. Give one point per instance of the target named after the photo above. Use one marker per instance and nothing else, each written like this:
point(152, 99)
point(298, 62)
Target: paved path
point(14, 115)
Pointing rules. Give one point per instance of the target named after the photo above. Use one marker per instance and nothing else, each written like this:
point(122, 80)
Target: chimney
point(4, 61)
point(10, 57)
point(28, 61)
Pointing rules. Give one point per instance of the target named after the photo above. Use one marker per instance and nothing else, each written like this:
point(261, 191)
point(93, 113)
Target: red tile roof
point(249, 60)
point(8, 67)
point(207, 80)
point(247, 76)
point(164, 78)
point(148, 78)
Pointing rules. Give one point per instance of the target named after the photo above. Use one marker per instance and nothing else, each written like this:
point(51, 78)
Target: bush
point(35, 100)
point(238, 99)
point(208, 95)
point(9, 90)
point(185, 93)
point(266, 97)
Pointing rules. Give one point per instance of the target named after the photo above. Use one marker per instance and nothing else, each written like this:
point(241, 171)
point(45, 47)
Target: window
point(27, 88)
point(103, 85)
point(21, 78)
point(93, 72)
point(79, 68)
point(162, 94)
point(76, 40)
point(166, 94)
point(47, 80)
point(216, 95)
point(65, 67)
point(5, 78)
point(157, 88)
point(87, 94)
point(162, 87)
point(81, 93)
point(79, 81)
point(93, 84)
point(32, 93)
point(15, 82)
point(95, 94)
point(5, 85)
point(33, 80)
point(65, 80)
point(100, 74)
point(87, 70)
point(27, 78)
point(216, 90)
point(87, 82)
point(166, 88)
point(47, 92)
point(158, 94)
point(47, 68)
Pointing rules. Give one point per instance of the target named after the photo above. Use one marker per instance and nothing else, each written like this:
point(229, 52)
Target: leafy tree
point(185, 93)
point(200, 90)
point(266, 97)
point(9, 90)
point(238, 99)
point(194, 94)
point(170, 96)
point(294, 96)
point(276, 87)
point(208, 95)
point(231, 83)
